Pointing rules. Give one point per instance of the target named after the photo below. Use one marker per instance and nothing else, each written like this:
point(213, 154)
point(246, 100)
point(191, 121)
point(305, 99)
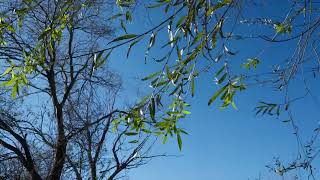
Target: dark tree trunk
point(61, 147)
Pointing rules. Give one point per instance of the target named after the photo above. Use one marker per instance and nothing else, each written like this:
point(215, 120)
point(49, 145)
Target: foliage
point(200, 34)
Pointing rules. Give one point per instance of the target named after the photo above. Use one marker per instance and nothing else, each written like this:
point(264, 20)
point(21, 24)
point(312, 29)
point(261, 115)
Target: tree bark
point(61, 144)
point(61, 147)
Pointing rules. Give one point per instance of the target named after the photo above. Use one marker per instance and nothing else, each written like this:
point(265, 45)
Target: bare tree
point(101, 159)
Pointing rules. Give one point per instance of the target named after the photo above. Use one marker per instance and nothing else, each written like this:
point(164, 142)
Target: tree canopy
point(60, 48)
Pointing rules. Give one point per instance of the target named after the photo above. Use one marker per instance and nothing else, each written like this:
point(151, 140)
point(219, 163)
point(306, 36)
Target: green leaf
point(183, 131)
point(130, 133)
point(222, 78)
point(9, 83)
point(179, 141)
point(217, 6)
point(152, 110)
point(191, 57)
point(127, 36)
point(234, 105)
point(161, 83)
point(45, 33)
point(168, 72)
point(8, 70)
point(128, 16)
point(220, 70)
point(165, 139)
point(280, 28)
point(158, 100)
point(123, 26)
point(192, 86)
point(130, 47)
point(133, 142)
point(147, 131)
point(24, 79)
point(179, 53)
point(99, 62)
point(186, 112)
point(15, 90)
point(180, 21)
point(171, 42)
point(151, 76)
point(214, 97)
point(144, 100)
point(197, 38)
point(251, 62)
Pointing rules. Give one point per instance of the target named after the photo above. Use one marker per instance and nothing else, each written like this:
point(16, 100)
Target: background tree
point(65, 132)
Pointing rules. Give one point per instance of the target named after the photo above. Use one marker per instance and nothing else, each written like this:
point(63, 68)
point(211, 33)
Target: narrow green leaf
point(45, 33)
point(147, 131)
point(220, 70)
point(186, 112)
point(151, 76)
point(15, 90)
point(133, 142)
point(180, 21)
point(165, 137)
point(130, 133)
point(179, 141)
point(8, 70)
point(127, 36)
point(99, 62)
point(152, 107)
point(130, 47)
point(214, 97)
point(234, 105)
point(161, 83)
point(197, 38)
point(183, 131)
point(175, 89)
point(192, 86)
point(144, 100)
point(191, 57)
point(128, 16)
point(10, 83)
point(222, 78)
point(123, 26)
point(168, 72)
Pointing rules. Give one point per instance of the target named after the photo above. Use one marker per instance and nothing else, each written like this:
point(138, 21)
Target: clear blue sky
point(222, 144)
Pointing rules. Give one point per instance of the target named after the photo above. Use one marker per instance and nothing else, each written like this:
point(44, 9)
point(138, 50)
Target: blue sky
point(222, 144)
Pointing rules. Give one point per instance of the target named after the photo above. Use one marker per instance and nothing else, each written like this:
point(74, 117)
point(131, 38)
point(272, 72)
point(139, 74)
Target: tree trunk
point(61, 146)
point(35, 175)
point(93, 171)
